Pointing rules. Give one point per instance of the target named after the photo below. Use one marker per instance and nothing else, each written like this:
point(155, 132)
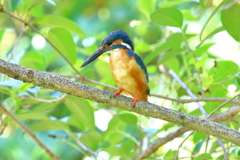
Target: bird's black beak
point(95, 55)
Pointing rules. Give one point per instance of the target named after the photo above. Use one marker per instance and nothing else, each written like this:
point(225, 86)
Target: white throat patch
point(127, 45)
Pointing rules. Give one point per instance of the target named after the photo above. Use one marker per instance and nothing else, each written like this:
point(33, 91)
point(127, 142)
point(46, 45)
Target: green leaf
point(197, 148)
point(168, 155)
point(146, 7)
point(1, 33)
point(15, 3)
point(82, 110)
point(41, 107)
point(203, 49)
point(91, 140)
point(175, 40)
point(224, 70)
point(165, 4)
point(27, 5)
point(203, 156)
point(116, 151)
point(170, 55)
point(49, 125)
point(230, 17)
point(63, 40)
point(58, 21)
point(32, 115)
point(168, 17)
point(5, 90)
point(212, 14)
point(215, 31)
point(188, 15)
point(34, 60)
point(155, 53)
point(201, 2)
point(129, 118)
point(73, 120)
point(127, 146)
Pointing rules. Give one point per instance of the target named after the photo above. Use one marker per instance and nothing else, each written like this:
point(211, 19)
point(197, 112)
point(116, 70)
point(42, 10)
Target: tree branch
point(216, 118)
point(43, 79)
point(108, 87)
point(29, 133)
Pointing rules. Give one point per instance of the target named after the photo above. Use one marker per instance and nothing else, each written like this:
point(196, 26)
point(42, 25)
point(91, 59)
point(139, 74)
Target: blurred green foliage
point(198, 40)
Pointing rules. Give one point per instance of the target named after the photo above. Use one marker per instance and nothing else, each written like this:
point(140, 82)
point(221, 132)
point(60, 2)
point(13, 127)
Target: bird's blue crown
point(118, 34)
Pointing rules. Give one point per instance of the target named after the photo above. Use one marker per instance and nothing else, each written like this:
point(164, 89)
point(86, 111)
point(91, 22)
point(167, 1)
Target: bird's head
point(115, 40)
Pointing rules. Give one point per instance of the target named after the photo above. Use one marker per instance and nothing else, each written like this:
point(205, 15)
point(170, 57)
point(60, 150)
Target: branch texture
point(43, 79)
point(160, 142)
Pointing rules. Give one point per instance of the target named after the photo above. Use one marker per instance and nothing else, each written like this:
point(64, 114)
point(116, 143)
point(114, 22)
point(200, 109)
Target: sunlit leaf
point(203, 156)
point(170, 55)
point(215, 31)
point(155, 53)
point(32, 115)
point(49, 125)
point(168, 17)
point(34, 60)
point(63, 40)
point(201, 2)
point(168, 155)
point(147, 7)
point(128, 146)
point(74, 121)
point(81, 110)
point(232, 25)
point(28, 5)
point(91, 140)
point(223, 70)
point(59, 21)
point(1, 33)
point(175, 40)
point(173, 3)
point(129, 118)
point(203, 49)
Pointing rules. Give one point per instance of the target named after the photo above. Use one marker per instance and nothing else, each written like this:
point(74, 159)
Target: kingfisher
point(128, 69)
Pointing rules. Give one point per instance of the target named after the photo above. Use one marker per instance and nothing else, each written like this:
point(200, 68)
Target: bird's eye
point(109, 43)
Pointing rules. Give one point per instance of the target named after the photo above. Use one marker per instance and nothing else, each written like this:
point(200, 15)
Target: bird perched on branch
point(127, 67)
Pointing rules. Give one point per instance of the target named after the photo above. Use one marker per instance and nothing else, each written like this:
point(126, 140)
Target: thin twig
point(160, 142)
point(2, 129)
point(173, 74)
point(11, 54)
point(49, 42)
point(189, 92)
point(87, 149)
point(28, 132)
point(207, 140)
point(176, 157)
point(197, 65)
point(223, 104)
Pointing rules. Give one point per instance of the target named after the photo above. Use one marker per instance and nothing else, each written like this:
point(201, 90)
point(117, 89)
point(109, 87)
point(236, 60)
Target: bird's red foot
point(117, 93)
point(135, 100)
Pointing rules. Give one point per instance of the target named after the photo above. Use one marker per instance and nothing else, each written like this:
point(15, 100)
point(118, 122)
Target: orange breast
point(129, 77)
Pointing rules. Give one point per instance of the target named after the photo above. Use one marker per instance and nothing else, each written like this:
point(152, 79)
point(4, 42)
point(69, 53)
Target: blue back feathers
point(118, 34)
point(139, 62)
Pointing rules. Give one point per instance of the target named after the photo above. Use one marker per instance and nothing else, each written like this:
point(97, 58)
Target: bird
point(128, 69)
